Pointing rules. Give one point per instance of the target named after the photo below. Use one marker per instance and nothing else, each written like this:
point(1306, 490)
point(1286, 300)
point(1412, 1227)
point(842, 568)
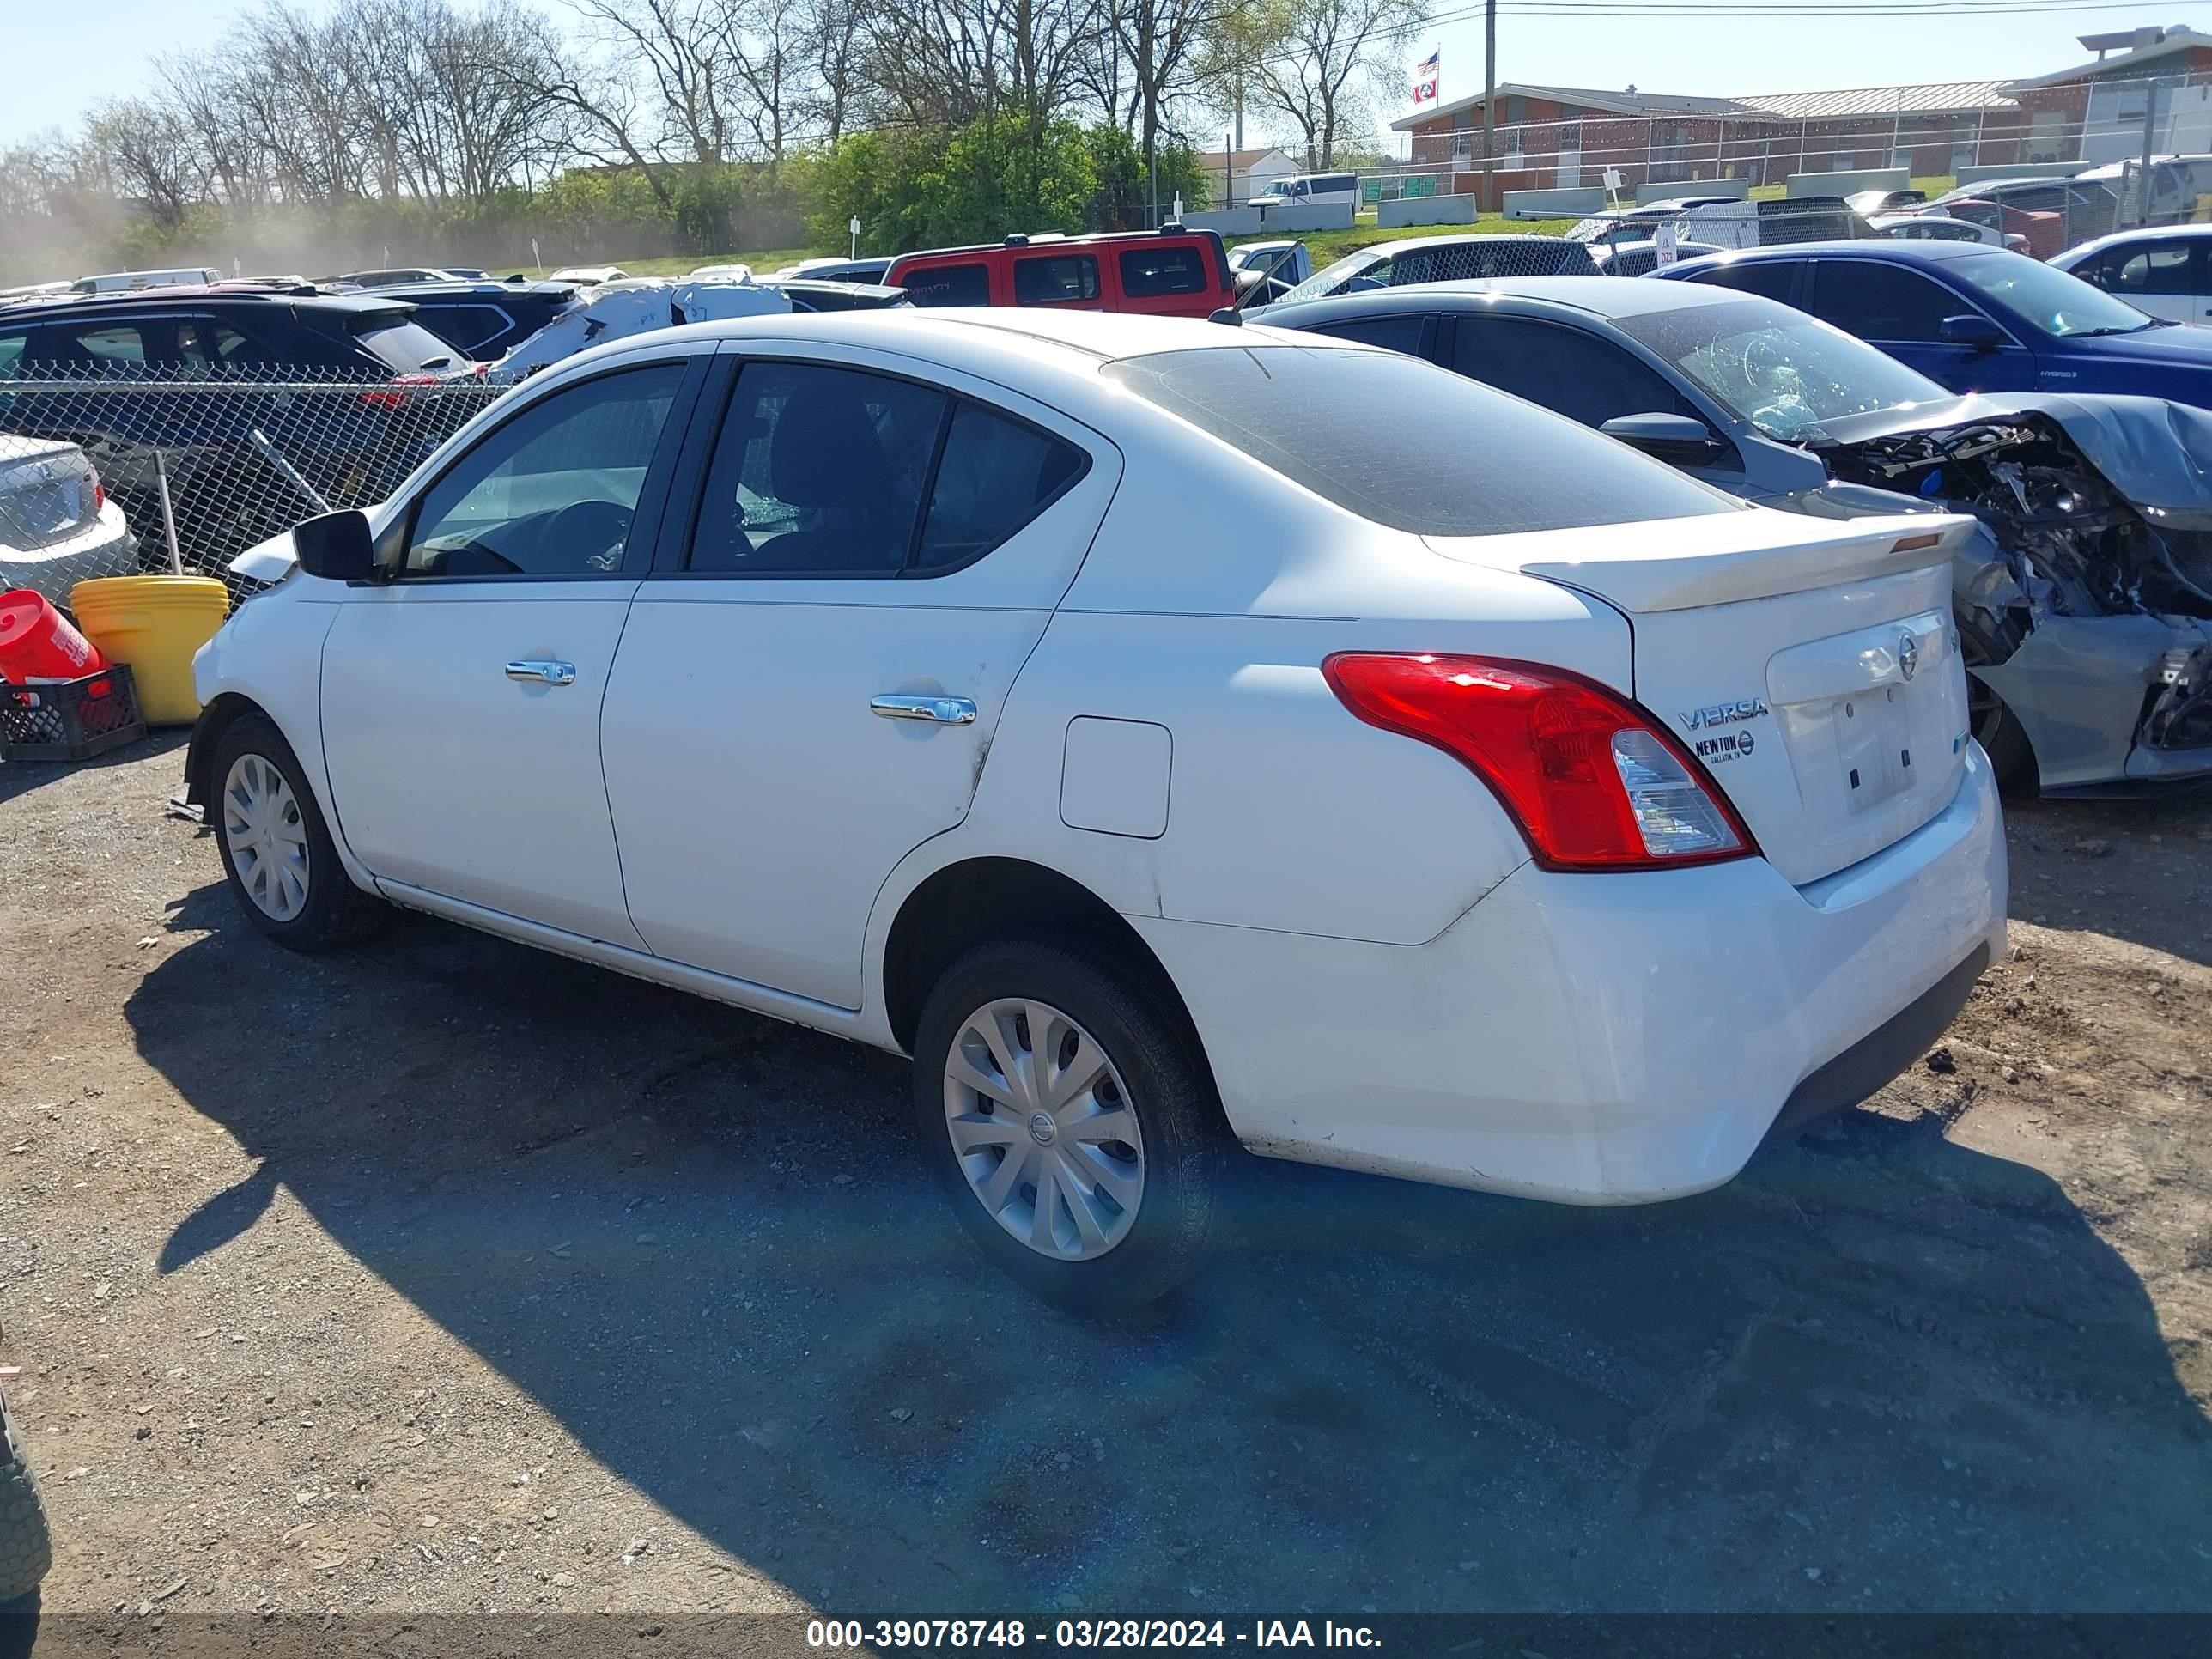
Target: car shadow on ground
point(1880, 1371)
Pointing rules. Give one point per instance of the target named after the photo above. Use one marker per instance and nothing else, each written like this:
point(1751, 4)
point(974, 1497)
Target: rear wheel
point(1992, 722)
point(1076, 1136)
point(26, 1547)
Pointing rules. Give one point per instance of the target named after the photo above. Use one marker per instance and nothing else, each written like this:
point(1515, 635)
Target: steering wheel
point(587, 534)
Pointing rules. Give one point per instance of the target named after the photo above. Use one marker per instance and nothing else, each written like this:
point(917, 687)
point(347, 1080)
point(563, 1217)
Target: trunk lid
point(1811, 667)
point(47, 492)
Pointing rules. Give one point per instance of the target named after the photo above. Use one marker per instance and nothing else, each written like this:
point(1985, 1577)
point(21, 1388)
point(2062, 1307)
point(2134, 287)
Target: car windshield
point(1325, 281)
point(1404, 443)
point(2056, 302)
point(1774, 366)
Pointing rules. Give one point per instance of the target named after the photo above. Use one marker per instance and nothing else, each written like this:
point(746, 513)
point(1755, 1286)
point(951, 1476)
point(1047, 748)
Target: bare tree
point(1312, 50)
point(1158, 41)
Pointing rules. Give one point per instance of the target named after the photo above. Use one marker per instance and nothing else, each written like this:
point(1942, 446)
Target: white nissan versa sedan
point(1161, 734)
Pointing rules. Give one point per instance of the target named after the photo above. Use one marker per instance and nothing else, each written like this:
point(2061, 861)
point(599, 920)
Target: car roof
point(182, 295)
point(1889, 250)
point(460, 286)
point(1047, 240)
point(1483, 236)
point(2141, 233)
point(1606, 297)
point(1071, 340)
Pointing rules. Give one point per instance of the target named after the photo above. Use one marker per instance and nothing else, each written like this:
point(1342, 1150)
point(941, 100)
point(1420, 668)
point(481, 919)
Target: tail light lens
point(396, 400)
point(1593, 780)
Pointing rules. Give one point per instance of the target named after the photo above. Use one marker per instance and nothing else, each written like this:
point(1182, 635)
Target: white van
point(1309, 190)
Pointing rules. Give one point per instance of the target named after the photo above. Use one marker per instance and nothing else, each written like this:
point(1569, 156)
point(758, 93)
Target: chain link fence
point(111, 471)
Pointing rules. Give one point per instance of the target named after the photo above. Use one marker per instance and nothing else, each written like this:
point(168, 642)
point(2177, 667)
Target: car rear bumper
point(1598, 1039)
point(105, 547)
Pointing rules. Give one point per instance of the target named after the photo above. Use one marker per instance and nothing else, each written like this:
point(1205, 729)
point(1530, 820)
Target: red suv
point(1169, 272)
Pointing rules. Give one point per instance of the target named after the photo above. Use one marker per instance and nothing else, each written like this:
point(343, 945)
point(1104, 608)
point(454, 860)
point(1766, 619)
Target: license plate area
point(1867, 737)
point(1873, 746)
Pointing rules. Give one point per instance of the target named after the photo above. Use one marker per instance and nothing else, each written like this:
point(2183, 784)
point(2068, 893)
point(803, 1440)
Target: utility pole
point(2149, 147)
point(1489, 100)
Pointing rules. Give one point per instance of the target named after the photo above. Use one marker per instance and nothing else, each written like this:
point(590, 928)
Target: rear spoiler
point(1682, 564)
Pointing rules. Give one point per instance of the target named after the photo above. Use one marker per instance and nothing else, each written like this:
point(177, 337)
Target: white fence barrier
point(1425, 210)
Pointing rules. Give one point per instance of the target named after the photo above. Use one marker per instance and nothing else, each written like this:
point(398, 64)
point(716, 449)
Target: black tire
point(1995, 726)
point(1166, 1084)
point(27, 1546)
point(335, 912)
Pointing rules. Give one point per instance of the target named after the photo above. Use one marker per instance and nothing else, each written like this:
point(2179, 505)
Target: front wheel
point(278, 851)
point(1075, 1132)
point(1990, 718)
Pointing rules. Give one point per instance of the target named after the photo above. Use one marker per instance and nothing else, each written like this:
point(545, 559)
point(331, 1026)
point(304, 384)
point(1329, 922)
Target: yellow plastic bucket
point(154, 624)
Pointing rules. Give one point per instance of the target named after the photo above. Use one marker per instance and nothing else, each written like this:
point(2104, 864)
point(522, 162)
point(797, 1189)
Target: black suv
point(258, 403)
point(483, 320)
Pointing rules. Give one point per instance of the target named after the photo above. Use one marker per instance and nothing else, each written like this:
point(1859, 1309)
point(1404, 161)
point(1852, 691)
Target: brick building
point(2095, 112)
point(1548, 137)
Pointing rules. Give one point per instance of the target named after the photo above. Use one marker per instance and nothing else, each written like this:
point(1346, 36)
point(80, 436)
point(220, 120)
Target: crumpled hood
point(2157, 454)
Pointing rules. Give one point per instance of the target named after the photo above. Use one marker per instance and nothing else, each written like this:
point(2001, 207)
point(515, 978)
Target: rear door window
point(948, 285)
point(994, 476)
point(1391, 334)
point(204, 343)
point(1055, 280)
point(11, 351)
point(1877, 301)
point(1406, 444)
point(818, 471)
point(1153, 273)
point(1771, 279)
point(1584, 378)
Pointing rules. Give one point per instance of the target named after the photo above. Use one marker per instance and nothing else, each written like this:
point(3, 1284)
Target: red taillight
point(99, 495)
point(386, 399)
point(1593, 781)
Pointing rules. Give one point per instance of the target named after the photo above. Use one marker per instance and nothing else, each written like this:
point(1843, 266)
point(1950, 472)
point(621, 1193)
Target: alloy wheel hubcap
point(1043, 1130)
point(267, 837)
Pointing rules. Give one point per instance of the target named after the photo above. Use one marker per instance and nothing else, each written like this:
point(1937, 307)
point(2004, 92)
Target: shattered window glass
point(1776, 367)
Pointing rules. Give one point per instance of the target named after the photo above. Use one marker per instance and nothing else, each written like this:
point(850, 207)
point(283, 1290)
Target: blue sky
point(87, 53)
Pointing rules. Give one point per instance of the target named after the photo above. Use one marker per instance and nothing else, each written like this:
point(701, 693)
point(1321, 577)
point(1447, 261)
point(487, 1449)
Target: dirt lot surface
point(444, 1276)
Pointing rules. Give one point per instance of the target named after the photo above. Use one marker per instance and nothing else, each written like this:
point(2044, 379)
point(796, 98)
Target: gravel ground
point(445, 1277)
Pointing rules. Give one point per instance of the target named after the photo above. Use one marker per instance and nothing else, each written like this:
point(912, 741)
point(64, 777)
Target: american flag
point(1424, 78)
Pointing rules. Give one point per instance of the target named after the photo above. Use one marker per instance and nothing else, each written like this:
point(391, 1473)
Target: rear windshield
point(404, 345)
point(1406, 444)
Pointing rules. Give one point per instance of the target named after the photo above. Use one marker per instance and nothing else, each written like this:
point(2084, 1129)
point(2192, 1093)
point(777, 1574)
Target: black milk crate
point(69, 719)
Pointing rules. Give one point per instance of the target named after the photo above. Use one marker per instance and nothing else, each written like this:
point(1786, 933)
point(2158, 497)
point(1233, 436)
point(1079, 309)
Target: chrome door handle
point(945, 711)
point(538, 671)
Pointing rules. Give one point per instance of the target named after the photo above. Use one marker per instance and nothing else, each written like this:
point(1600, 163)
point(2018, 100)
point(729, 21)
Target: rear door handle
point(944, 711)
point(541, 671)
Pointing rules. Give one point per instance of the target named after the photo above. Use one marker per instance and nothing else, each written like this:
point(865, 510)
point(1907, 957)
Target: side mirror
point(1970, 329)
point(336, 547)
point(1677, 439)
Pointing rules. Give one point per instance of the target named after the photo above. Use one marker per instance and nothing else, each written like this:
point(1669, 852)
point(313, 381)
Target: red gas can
point(38, 643)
